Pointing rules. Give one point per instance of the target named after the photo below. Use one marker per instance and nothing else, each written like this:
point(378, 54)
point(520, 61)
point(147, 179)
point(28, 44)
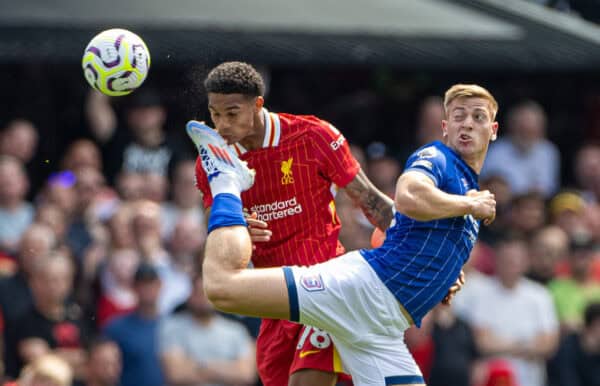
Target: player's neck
point(476, 163)
point(256, 139)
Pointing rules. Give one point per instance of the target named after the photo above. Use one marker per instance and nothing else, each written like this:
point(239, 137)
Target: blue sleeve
point(430, 161)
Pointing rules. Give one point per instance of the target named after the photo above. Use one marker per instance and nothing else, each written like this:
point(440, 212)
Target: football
point(116, 62)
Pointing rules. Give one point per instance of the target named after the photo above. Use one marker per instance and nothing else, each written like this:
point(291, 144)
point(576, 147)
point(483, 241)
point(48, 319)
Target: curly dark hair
point(235, 78)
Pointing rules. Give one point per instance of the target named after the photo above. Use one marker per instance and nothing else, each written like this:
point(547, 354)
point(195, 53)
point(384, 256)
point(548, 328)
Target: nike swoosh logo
point(308, 352)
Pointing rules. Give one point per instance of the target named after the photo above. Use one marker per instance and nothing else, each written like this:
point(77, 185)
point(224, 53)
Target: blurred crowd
point(100, 260)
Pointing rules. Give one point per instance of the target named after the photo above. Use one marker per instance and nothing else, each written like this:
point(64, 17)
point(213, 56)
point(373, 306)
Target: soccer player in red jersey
point(302, 159)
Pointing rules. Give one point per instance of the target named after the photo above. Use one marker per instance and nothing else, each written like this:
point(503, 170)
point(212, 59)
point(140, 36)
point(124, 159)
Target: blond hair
point(470, 91)
point(49, 368)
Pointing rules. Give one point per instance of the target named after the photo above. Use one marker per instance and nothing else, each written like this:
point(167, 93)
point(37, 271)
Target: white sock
point(225, 183)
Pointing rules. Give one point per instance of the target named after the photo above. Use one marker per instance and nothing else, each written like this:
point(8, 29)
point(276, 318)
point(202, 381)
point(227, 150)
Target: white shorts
point(346, 298)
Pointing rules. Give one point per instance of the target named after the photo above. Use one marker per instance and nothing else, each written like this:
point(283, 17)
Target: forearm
point(422, 201)
point(377, 207)
point(228, 373)
point(490, 344)
point(101, 116)
point(543, 346)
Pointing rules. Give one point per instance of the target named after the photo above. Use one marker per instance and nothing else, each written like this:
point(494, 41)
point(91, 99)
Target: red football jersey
point(301, 162)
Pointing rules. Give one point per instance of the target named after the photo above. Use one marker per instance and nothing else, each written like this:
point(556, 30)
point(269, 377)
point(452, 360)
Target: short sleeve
point(429, 161)
point(547, 313)
point(336, 162)
point(202, 185)
point(168, 336)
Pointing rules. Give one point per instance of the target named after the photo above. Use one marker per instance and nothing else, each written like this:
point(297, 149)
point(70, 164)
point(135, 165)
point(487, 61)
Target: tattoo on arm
point(374, 203)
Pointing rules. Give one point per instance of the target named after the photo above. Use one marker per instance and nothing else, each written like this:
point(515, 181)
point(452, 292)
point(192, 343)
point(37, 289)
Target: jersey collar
point(272, 132)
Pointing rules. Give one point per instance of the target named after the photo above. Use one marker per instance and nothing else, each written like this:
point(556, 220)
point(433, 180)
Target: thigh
point(344, 297)
point(275, 349)
point(315, 350)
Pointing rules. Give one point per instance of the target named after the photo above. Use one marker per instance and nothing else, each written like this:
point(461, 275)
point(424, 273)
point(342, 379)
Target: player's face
point(234, 115)
point(469, 127)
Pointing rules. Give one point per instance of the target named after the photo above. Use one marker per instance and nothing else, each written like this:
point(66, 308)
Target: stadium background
point(366, 67)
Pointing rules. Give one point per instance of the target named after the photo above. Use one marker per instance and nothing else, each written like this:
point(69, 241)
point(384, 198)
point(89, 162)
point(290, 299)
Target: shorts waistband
point(406, 314)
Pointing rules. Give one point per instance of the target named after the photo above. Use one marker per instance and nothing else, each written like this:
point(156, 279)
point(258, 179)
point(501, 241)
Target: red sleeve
point(202, 185)
point(333, 153)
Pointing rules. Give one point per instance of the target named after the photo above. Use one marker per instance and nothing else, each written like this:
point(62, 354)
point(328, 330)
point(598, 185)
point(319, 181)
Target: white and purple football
point(116, 62)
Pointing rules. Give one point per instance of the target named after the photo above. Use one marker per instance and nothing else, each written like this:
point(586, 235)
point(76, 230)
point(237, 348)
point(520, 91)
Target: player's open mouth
point(464, 138)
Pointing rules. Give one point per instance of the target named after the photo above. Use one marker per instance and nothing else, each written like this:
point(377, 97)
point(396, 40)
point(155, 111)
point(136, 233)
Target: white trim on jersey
point(272, 133)
point(277, 128)
point(267, 119)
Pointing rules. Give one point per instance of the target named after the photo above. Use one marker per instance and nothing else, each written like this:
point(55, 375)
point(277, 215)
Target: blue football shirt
point(420, 260)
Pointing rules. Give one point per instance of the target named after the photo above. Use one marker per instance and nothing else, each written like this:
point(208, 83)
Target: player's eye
point(459, 117)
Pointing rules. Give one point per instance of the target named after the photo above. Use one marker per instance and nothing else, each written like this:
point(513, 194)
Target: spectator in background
point(501, 189)
point(431, 114)
point(514, 317)
point(578, 358)
point(82, 153)
point(59, 190)
point(524, 157)
point(156, 187)
point(15, 293)
point(52, 216)
point(136, 333)
point(104, 363)
point(19, 139)
point(186, 202)
point(52, 324)
point(567, 210)
point(198, 346)
point(429, 129)
point(587, 171)
point(145, 147)
point(89, 183)
point(117, 294)
point(572, 294)
point(384, 172)
point(16, 214)
point(187, 243)
point(548, 248)
point(130, 186)
point(454, 349)
point(357, 230)
point(527, 214)
point(176, 284)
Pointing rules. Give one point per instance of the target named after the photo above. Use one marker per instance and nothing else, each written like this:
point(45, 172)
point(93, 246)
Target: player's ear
point(444, 128)
point(259, 102)
point(494, 131)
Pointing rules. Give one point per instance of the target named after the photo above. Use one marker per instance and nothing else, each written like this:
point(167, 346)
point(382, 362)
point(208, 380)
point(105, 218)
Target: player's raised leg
point(228, 284)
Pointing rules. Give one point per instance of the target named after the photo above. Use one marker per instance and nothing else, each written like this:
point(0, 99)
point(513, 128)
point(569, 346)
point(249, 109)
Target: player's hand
point(483, 205)
point(258, 229)
point(457, 286)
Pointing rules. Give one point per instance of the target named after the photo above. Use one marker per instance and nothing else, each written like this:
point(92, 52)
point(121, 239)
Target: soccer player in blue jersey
point(365, 299)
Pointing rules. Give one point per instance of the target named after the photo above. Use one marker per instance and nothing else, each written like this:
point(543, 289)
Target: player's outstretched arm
point(419, 198)
point(374, 203)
